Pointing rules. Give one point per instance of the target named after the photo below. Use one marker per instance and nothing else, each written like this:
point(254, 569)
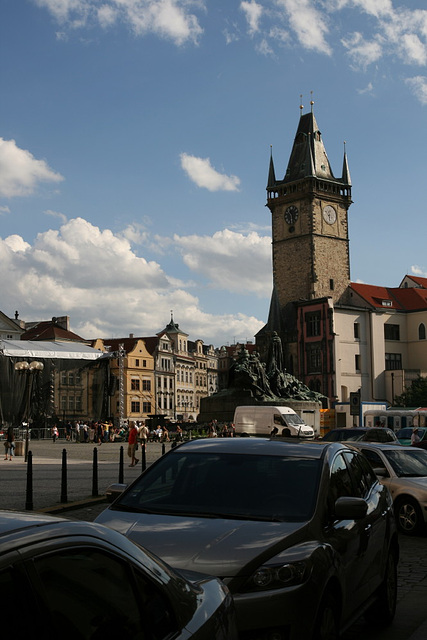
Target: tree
point(415, 395)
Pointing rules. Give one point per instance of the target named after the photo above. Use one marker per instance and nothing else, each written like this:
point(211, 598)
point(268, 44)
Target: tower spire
point(345, 170)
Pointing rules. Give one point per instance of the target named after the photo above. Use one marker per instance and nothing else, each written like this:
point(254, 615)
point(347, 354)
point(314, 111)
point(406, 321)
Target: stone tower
point(309, 221)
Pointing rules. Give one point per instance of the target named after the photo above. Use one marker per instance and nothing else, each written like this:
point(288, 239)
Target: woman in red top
point(132, 442)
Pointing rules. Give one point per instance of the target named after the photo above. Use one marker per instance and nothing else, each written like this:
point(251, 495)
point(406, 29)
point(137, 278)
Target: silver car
point(403, 470)
point(302, 533)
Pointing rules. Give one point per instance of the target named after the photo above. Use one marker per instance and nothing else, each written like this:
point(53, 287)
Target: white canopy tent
point(41, 349)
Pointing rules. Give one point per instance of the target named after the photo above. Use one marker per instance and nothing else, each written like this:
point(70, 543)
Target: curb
point(72, 506)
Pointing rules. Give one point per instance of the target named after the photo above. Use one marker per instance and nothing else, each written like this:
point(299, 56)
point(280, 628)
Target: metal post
point(95, 473)
point(29, 492)
point(143, 457)
point(121, 467)
point(64, 497)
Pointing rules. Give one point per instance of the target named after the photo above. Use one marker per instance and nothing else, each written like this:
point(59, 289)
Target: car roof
point(259, 446)
point(384, 446)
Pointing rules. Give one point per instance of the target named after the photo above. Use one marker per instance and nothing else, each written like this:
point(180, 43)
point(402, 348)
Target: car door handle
point(368, 529)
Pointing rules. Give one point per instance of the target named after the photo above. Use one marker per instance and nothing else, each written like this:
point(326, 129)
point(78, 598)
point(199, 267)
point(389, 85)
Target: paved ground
point(47, 462)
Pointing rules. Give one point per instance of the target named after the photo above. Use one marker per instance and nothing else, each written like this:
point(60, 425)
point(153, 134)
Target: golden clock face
point(329, 214)
point(291, 214)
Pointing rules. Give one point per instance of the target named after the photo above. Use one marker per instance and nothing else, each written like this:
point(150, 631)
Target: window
point(71, 403)
point(357, 362)
point(135, 406)
point(146, 407)
point(422, 331)
point(331, 284)
point(134, 384)
point(392, 332)
point(356, 329)
point(312, 320)
point(314, 360)
point(63, 403)
point(137, 362)
point(393, 361)
point(130, 606)
point(146, 385)
point(144, 364)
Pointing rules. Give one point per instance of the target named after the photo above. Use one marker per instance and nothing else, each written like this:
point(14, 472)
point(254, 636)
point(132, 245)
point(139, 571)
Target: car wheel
point(409, 517)
point(326, 626)
point(382, 612)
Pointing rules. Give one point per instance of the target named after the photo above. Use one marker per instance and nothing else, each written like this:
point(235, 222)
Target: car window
point(341, 484)
point(373, 458)
point(92, 594)
point(14, 589)
point(227, 485)
point(408, 463)
point(362, 476)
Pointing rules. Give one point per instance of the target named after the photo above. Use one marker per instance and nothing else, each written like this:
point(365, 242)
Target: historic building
point(338, 337)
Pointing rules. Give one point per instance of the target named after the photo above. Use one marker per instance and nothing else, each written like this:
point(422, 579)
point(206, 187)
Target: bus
point(396, 418)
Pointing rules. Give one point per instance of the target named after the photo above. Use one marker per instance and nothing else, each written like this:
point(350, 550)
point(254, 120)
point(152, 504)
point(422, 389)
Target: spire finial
point(311, 101)
point(171, 315)
point(301, 106)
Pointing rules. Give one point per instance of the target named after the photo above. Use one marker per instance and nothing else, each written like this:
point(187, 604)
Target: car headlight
point(287, 574)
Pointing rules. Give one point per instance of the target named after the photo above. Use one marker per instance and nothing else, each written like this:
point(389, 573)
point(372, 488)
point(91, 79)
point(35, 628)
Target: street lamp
point(29, 369)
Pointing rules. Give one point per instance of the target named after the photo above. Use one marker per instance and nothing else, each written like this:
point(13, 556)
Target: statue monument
point(252, 382)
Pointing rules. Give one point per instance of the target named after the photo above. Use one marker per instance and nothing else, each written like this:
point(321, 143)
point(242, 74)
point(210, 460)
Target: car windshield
point(294, 419)
point(214, 485)
point(408, 464)
point(406, 433)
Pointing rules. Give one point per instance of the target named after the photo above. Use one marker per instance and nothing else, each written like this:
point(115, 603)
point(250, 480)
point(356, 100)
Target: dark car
point(404, 436)
point(82, 581)
point(362, 434)
point(302, 533)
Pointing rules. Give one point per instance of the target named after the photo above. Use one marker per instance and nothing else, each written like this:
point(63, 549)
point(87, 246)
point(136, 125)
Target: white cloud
point(96, 278)
point(20, 172)
point(203, 174)
point(361, 51)
point(230, 261)
point(308, 23)
point(169, 19)
point(56, 214)
point(418, 85)
point(253, 12)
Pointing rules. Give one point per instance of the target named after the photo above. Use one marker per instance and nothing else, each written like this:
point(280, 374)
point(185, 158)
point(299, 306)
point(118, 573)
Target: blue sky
point(135, 139)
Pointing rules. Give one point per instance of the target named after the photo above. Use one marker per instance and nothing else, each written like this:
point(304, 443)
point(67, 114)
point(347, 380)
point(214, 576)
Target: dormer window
point(387, 303)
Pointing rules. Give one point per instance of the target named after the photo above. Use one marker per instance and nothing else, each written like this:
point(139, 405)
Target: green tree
point(413, 396)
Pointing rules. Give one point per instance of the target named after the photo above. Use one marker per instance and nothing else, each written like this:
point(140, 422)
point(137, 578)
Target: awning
point(41, 349)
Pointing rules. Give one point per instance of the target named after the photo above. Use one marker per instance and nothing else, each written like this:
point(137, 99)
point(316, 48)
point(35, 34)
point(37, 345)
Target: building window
point(314, 360)
point(393, 361)
point(331, 284)
point(392, 332)
point(313, 324)
point(135, 406)
point(357, 362)
point(134, 384)
point(144, 364)
point(422, 331)
point(356, 330)
point(146, 407)
point(137, 362)
point(146, 385)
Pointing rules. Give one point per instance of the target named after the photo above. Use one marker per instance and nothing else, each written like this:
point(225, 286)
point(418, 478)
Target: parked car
point(302, 533)
point(81, 581)
point(366, 434)
point(403, 470)
point(404, 436)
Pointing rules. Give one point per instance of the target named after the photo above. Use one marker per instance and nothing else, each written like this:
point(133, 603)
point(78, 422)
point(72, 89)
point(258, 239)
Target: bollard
point(121, 467)
point(95, 473)
point(64, 497)
point(29, 492)
point(163, 449)
point(143, 458)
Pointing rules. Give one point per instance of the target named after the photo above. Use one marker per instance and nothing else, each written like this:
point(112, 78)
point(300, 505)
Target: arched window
point(422, 331)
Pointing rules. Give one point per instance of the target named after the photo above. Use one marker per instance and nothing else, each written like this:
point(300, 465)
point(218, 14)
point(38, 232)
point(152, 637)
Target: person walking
point(9, 443)
point(132, 443)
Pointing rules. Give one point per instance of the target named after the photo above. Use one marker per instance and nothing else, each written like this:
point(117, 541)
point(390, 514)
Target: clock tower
point(309, 209)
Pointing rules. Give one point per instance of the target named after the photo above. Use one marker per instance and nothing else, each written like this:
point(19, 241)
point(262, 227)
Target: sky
point(135, 139)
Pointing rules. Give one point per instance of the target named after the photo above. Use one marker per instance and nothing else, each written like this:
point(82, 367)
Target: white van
point(261, 420)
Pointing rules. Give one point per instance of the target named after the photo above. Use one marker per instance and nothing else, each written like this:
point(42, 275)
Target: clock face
point(291, 214)
point(329, 214)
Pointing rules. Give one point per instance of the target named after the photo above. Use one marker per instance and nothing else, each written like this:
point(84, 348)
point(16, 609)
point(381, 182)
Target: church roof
point(49, 330)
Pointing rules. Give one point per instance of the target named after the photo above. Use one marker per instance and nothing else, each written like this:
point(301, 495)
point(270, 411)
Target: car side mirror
point(381, 472)
point(114, 491)
point(349, 508)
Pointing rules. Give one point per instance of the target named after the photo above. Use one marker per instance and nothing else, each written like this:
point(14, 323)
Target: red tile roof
point(401, 299)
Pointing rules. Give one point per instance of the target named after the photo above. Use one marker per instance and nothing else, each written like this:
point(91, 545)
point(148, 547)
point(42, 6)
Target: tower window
point(422, 331)
point(313, 324)
point(331, 284)
point(357, 362)
point(356, 330)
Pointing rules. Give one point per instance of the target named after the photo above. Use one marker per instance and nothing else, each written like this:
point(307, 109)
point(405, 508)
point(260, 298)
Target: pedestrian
point(9, 443)
point(415, 438)
point(132, 443)
point(55, 433)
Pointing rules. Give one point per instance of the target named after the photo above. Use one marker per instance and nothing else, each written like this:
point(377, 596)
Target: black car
point(81, 581)
point(302, 533)
point(361, 434)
